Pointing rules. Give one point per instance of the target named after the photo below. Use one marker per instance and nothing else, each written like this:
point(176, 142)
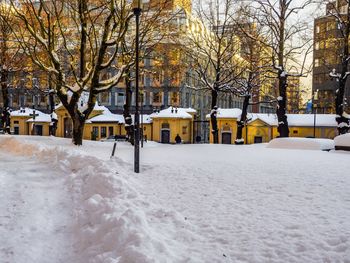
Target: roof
point(23, 112)
point(303, 120)
point(171, 112)
point(106, 116)
point(227, 113)
point(28, 112)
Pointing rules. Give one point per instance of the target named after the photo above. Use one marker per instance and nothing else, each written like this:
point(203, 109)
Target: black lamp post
point(137, 13)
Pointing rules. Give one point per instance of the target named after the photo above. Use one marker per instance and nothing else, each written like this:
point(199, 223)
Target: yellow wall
point(21, 122)
point(320, 132)
point(176, 126)
point(257, 128)
point(25, 128)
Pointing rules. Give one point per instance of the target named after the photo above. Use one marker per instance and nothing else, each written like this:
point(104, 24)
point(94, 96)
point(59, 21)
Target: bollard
point(113, 151)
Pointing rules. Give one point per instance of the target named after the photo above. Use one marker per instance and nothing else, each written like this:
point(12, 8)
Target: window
point(187, 99)
point(105, 98)
point(318, 29)
point(103, 132)
point(174, 98)
point(120, 99)
point(184, 129)
point(317, 62)
point(95, 131)
point(295, 132)
point(157, 97)
point(317, 45)
point(165, 126)
point(330, 26)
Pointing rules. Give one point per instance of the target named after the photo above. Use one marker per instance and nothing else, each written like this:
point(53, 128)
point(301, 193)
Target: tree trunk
point(78, 130)
point(53, 125)
point(213, 119)
point(129, 127)
point(242, 121)
point(343, 122)
point(6, 116)
point(283, 129)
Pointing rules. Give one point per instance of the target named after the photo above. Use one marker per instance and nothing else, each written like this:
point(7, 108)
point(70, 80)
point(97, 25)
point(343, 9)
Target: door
point(257, 139)
point(226, 138)
point(110, 131)
point(39, 130)
point(16, 130)
point(68, 127)
point(165, 136)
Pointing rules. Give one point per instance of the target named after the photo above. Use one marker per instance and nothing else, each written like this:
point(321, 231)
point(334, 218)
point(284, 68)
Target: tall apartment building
point(327, 56)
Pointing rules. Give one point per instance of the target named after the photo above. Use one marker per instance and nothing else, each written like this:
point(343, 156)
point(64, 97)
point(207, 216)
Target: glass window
point(95, 131)
point(120, 99)
point(317, 45)
point(317, 62)
point(157, 97)
point(105, 98)
point(103, 132)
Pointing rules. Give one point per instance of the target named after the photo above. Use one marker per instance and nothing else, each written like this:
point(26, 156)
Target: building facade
point(327, 56)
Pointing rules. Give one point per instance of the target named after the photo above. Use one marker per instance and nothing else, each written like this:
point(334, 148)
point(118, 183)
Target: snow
point(27, 112)
point(301, 143)
point(190, 203)
point(234, 113)
point(173, 112)
point(304, 120)
point(106, 116)
point(342, 140)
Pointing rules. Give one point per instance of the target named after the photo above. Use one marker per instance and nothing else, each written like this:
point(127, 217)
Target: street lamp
point(137, 13)
point(314, 97)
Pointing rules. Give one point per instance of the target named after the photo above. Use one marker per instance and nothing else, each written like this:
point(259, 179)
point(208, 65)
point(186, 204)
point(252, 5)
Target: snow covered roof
point(323, 120)
point(268, 118)
point(96, 107)
point(23, 112)
point(171, 112)
point(27, 112)
point(144, 118)
point(304, 120)
point(106, 116)
point(227, 113)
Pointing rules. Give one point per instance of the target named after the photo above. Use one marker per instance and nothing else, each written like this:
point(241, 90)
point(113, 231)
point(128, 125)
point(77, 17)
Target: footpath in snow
point(36, 216)
point(190, 203)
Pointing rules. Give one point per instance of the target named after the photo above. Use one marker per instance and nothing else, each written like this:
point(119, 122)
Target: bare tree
point(340, 11)
point(78, 43)
point(288, 41)
point(10, 57)
point(214, 52)
point(154, 32)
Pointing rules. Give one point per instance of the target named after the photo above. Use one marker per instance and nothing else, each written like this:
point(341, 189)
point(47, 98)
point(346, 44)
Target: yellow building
point(169, 123)
point(262, 127)
point(28, 121)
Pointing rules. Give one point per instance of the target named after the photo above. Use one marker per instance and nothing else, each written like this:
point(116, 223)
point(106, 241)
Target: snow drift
point(302, 143)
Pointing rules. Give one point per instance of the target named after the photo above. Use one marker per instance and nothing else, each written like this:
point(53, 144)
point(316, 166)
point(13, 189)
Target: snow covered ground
point(190, 203)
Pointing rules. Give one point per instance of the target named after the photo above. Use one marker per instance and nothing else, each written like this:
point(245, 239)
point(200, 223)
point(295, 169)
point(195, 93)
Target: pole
point(137, 13)
point(34, 132)
point(314, 120)
point(314, 109)
point(142, 135)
